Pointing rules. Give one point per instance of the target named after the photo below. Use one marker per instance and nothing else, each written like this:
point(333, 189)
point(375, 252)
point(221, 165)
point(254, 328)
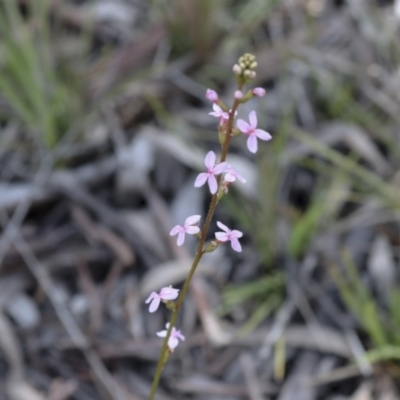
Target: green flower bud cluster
point(244, 69)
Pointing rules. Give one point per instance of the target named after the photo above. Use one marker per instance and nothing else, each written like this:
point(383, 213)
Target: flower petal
point(215, 114)
point(252, 143)
point(263, 135)
point(222, 236)
point(212, 184)
point(240, 177)
point(161, 333)
point(220, 168)
point(181, 239)
point(180, 336)
point(176, 229)
point(209, 161)
point(151, 297)
point(253, 119)
point(172, 342)
point(201, 179)
point(193, 219)
point(243, 126)
point(236, 234)
point(169, 293)
point(236, 245)
point(229, 177)
point(154, 304)
point(192, 230)
point(223, 227)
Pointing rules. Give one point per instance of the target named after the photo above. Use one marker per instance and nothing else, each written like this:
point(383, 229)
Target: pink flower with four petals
point(219, 113)
point(166, 293)
point(186, 228)
point(212, 170)
point(173, 340)
point(252, 131)
point(229, 235)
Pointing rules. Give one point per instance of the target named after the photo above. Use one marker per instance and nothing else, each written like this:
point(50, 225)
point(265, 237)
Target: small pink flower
point(166, 293)
point(186, 228)
point(212, 170)
point(231, 175)
point(173, 339)
point(252, 131)
point(229, 235)
point(238, 94)
point(212, 95)
point(258, 91)
point(220, 113)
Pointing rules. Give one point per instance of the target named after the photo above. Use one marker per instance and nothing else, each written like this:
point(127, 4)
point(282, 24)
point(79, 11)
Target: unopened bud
point(212, 95)
point(170, 305)
point(211, 247)
point(236, 69)
point(247, 73)
point(258, 91)
point(253, 65)
point(238, 94)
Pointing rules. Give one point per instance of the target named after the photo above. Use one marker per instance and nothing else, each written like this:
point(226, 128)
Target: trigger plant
point(218, 175)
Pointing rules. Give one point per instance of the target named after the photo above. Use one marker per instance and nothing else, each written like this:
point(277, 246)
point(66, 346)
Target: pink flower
point(166, 293)
point(173, 339)
point(229, 235)
point(232, 175)
point(252, 131)
point(238, 94)
point(186, 228)
point(258, 91)
point(220, 113)
point(212, 95)
point(212, 170)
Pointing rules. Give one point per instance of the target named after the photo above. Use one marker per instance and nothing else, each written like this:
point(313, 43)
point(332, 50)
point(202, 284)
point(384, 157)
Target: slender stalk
point(197, 258)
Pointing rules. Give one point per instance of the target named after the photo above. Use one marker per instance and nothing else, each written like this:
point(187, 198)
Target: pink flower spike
point(229, 235)
point(250, 129)
point(231, 175)
point(166, 293)
point(258, 91)
point(173, 339)
point(212, 95)
point(186, 228)
point(219, 113)
point(212, 170)
point(238, 94)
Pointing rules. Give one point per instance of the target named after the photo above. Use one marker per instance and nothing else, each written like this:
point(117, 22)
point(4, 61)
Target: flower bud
point(236, 69)
point(247, 73)
point(238, 94)
point(211, 247)
point(258, 91)
point(212, 95)
point(253, 65)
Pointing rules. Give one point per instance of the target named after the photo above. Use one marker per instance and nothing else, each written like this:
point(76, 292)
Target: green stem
point(197, 258)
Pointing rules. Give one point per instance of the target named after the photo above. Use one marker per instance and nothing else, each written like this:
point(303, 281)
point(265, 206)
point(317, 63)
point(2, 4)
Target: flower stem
point(197, 258)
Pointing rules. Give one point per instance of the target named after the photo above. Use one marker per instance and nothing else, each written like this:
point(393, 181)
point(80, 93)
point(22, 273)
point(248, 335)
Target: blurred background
point(104, 126)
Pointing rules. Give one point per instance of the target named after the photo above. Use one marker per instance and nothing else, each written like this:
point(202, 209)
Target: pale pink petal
point(253, 119)
point(211, 95)
point(252, 143)
point(172, 342)
point(193, 219)
point(181, 239)
point(236, 245)
point(161, 333)
point(212, 184)
point(180, 336)
point(229, 177)
point(243, 126)
point(259, 91)
point(217, 109)
point(167, 326)
point(151, 297)
point(236, 234)
point(215, 114)
point(154, 304)
point(169, 293)
point(220, 168)
point(263, 135)
point(222, 236)
point(209, 161)
point(240, 177)
point(223, 227)
point(176, 229)
point(192, 230)
point(201, 179)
